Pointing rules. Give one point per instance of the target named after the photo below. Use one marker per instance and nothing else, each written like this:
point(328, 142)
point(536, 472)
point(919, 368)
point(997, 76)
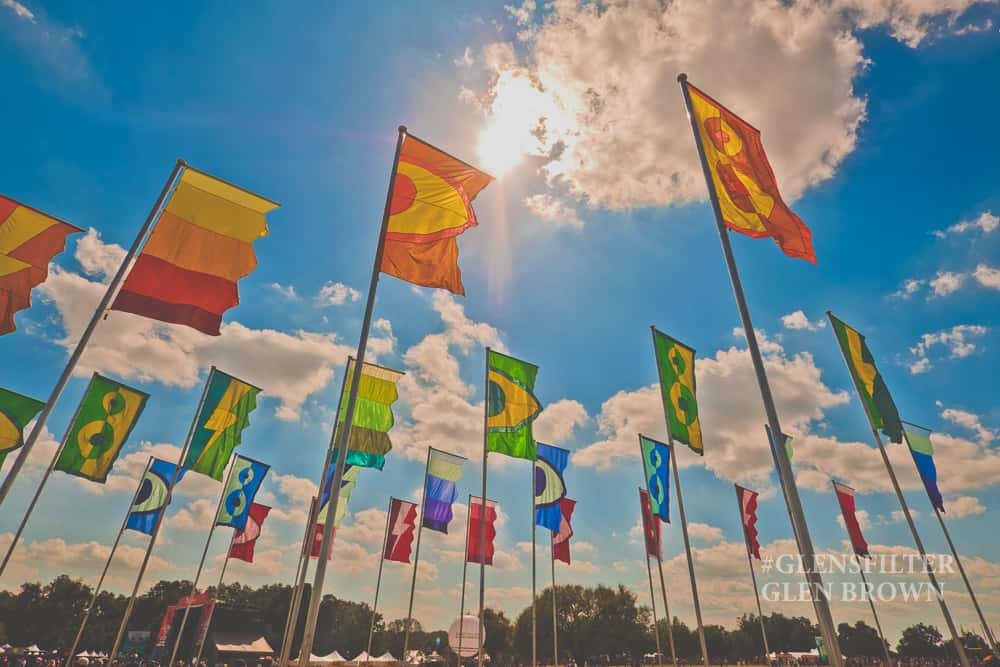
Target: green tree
point(860, 640)
point(920, 641)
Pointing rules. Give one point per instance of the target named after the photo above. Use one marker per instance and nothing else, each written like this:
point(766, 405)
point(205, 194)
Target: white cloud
point(556, 423)
point(96, 257)
point(955, 340)
point(971, 422)
point(337, 294)
point(945, 283)
point(798, 321)
point(20, 10)
point(286, 291)
point(553, 210)
point(466, 59)
point(705, 532)
point(986, 222)
point(987, 276)
point(909, 21)
point(524, 14)
point(964, 506)
point(909, 288)
point(196, 515)
point(53, 48)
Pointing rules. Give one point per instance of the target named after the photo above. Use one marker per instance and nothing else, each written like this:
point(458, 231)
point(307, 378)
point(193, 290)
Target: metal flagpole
point(42, 482)
point(871, 603)
point(81, 345)
point(753, 575)
point(107, 566)
point(555, 621)
point(652, 598)
point(465, 571)
point(292, 622)
point(416, 558)
point(159, 522)
point(378, 581)
point(312, 616)
point(790, 490)
point(482, 522)
point(201, 564)
point(218, 588)
point(534, 574)
point(963, 658)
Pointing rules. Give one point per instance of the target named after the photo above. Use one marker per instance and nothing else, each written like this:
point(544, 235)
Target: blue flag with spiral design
point(656, 465)
point(244, 481)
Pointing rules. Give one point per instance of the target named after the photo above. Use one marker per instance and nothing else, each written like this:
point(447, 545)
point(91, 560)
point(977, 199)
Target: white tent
point(83, 654)
point(363, 657)
point(33, 649)
point(385, 657)
point(333, 657)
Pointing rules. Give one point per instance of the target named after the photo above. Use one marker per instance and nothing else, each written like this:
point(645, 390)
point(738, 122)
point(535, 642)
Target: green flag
point(675, 364)
point(511, 407)
point(220, 423)
point(15, 413)
point(105, 418)
point(369, 440)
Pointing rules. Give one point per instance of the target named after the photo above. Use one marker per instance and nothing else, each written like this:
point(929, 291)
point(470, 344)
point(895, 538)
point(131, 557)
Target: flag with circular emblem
point(245, 479)
point(511, 406)
point(151, 499)
point(550, 487)
point(675, 364)
point(15, 413)
point(656, 465)
point(105, 418)
point(431, 205)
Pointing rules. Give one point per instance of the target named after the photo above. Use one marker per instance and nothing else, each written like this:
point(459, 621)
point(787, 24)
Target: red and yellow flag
point(431, 205)
point(743, 180)
point(201, 246)
point(29, 239)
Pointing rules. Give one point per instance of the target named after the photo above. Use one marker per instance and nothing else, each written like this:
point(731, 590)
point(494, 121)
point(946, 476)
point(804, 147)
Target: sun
point(509, 135)
point(499, 149)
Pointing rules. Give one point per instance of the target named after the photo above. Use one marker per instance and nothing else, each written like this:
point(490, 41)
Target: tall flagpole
point(43, 481)
point(871, 603)
point(309, 633)
point(652, 595)
point(218, 588)
point(378, 581)
point(753, 575)
point(465, 572)
point(294, 603)
point(534, 574)
point(963, 658)
point(201, 565)
point(416, 558)
point(555, 628)
point(159, 522)
point(107, 566)
point(81, 345)
point(790, 490)
point(482, 522)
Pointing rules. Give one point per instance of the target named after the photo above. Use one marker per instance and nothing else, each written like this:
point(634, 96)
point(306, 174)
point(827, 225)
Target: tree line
point(598, 625)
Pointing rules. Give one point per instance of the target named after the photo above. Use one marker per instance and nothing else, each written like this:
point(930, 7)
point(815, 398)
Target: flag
point(399, 533)
point(201, 246)
point(511, 407)
point(560, 539)
point(15, 413)
point(748, 516)
point(347, 484)
point(875, 395)
point(656, 464)
point(105, 418)
point(151, 499)
point(650, 527)
point(245, 479)
point(431, 205)
point(919, 442)
point(245, 540)
point(29, 240)
point(675, 365)
point(443, 471)
point(317, 535)
point(550, 487)
point(473, 549)
point(845, 496)
point(219, 425)
point(788, 442)
point(369, 440)
point(743, 181)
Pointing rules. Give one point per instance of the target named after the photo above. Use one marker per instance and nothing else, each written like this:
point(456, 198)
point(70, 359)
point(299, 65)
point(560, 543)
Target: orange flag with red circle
point(431, 205)
point(743, 180)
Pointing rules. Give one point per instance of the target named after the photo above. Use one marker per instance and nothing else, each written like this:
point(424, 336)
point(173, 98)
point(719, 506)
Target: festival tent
point(33, 649)
point(363, 657)
point(385, 657)
point(332, 657)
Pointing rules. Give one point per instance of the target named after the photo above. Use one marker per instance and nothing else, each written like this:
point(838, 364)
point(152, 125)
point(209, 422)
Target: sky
point(873, 113)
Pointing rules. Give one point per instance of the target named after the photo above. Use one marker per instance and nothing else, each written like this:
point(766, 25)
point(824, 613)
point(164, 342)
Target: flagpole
point(482, 522)
point(159, 522)
point(555, 628)
point(465, 572)
point(294, 603)
point(218, 588)
point(107, 566)
point(312, 616)
point(963, 658)
point(416, 557)
point(534, 574)
point(871, 603)
point(43, 480)
point(753, 575)
point(790, 490)
point(652, 594)
point(201, 564)
point(81, 345)
point(378, 580)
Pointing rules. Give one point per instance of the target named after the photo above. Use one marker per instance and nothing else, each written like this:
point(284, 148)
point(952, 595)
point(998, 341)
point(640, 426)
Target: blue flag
point(919, 441)
point(244, 481)
point(550, 488)
point(152, 496)
point(656, 466)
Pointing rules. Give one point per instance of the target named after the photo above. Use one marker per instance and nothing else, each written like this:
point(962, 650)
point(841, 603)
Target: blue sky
point(875, 117)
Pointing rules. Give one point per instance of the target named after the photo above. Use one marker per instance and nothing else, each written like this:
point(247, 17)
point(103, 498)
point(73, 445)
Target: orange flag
point(743, 180)
point(29, 239)
point(431, 205)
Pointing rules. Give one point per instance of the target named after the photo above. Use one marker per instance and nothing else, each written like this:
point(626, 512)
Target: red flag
point(399, 535)
point(748, 515)
point(560, 540)
point(650, 527)
point(473, 550)
point(845, 496)
point(245, 540)
point(317, 535)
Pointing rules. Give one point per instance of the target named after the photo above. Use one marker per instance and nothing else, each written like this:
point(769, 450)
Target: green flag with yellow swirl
point(103, 422)
point(675, 364)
